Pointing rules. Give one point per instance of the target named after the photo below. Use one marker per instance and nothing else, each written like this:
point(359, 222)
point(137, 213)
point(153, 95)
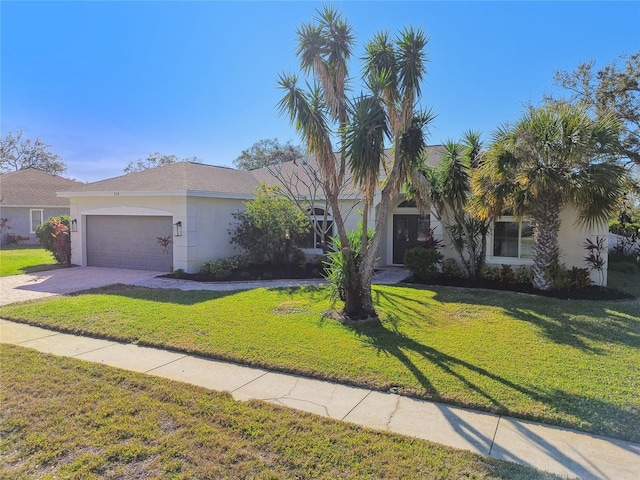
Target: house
point(120, 220)
point(28, 199)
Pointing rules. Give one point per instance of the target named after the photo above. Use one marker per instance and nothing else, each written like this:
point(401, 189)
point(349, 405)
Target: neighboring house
point(119, 220)
point(28, 199)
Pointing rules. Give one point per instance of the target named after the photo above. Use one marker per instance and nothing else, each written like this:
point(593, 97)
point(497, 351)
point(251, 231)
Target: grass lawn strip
point(17, 259)
point(71, 419)
point(570, 363)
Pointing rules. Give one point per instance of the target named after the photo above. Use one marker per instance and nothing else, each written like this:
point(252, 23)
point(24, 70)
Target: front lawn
point(63, 418)
point(572, 363)
point(17, 259)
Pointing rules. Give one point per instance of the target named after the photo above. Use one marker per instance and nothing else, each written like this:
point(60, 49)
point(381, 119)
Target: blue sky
point(106, 83)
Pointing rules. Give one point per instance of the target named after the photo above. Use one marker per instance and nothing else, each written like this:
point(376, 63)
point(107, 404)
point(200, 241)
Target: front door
point(408, 231)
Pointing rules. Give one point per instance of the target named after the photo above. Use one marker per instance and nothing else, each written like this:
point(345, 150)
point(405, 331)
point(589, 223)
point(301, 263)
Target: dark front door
point(408, 231)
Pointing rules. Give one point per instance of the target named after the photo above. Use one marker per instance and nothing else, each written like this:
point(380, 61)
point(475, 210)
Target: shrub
point(524, 274)
point(423, 263)
point(179, 273)
point(53, 235)
point(298, 258)
point(451, 269)
point(624, 267)
point(491, 273)
point(578, 278)
point(336, 270)
point(222, 268)
point(269, 227)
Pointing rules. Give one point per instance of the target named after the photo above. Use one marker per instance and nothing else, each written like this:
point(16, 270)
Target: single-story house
point(28, 199)
point(118, 221)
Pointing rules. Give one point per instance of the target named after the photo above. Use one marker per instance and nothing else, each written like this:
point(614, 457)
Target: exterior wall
point(571, 240)
point(19, 220)
point(81, 207)
point(206, 236)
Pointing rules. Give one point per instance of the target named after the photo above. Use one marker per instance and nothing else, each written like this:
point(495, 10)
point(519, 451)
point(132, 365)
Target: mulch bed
point(284, 272)
point(260, 272)
point(589, 293)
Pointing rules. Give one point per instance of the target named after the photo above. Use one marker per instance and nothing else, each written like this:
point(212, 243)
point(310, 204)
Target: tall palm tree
point(554, 156)
point(445, 189)
point(393, 73)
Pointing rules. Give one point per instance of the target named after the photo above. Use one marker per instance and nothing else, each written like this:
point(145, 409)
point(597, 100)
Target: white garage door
point(128, 242)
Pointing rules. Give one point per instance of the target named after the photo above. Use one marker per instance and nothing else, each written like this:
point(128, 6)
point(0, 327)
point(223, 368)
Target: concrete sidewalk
point(557, 450)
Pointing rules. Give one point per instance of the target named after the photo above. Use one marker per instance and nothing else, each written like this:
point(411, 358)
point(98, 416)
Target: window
point(513, 239)
point(35, 219)
point(313, 239)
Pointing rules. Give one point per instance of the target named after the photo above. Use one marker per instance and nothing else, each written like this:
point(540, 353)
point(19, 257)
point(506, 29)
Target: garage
point(128, 242)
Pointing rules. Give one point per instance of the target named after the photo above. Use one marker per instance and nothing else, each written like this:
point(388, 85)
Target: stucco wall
point(19, 220)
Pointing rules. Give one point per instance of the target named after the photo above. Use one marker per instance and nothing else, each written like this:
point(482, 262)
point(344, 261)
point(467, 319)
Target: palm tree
point(393, 73)
point(445, 188)
point(554, 156)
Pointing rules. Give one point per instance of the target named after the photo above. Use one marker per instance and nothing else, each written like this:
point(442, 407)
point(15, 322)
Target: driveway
point(18, 288)
point(30, 286)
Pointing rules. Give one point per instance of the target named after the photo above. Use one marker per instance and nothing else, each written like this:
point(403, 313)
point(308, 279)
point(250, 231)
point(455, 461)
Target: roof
point(176, 177)
point(31, 187)
point(208, 180)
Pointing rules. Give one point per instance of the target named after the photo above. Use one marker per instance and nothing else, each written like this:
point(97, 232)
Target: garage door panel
point(128, 242)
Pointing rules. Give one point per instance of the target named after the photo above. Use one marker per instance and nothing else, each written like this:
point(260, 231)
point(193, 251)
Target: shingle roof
point(31, 187)
point(199, 177)
point(176, 177)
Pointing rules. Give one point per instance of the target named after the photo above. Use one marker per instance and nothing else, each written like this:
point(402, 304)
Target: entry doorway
point(408, 231)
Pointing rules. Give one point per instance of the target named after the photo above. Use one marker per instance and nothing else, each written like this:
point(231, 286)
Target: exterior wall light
point(74, 225)
point(178, 226)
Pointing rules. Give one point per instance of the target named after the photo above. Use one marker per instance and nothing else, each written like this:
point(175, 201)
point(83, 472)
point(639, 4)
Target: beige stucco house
point(118, 220)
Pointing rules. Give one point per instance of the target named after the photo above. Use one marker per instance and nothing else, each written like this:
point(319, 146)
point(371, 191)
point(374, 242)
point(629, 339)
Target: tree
point(611, 90)
point(553, 156)
point(16, 154)
point(393, 73)
point(267, 152)
point(156, 159)
point(447, 187)
point(268, 226)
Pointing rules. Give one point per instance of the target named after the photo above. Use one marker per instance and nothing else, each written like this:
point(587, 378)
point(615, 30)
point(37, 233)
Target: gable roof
point(31, 187)
point(207, 180)
point(177, 177)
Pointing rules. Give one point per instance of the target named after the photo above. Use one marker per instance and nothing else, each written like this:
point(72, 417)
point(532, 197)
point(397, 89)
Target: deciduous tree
point(17, 153)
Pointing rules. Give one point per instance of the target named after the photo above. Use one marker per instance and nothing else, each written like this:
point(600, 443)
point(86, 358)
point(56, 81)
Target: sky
point(107, 83)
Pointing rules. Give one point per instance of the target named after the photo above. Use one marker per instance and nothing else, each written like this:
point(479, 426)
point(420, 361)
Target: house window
point(319, 224)
point(35, 219)
point(513, 239)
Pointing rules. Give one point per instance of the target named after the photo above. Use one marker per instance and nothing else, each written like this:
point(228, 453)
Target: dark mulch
point(284, 272)
point(261, 272)
point(589, 293)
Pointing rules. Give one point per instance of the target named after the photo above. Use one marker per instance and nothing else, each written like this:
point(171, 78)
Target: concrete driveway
point(18, 288)
point(30, 286)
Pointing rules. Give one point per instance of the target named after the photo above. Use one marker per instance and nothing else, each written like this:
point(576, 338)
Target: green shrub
point(491, 273)
point(624, 266)
point(423, 263)
point(179, 273)
point(222, 268)
point(53, 235)
point(269, 227)
point(451, 269)
point(336, 264)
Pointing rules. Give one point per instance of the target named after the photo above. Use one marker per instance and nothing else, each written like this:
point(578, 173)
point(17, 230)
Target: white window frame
point(32, 228)
point(509, 260)
point(313, 218)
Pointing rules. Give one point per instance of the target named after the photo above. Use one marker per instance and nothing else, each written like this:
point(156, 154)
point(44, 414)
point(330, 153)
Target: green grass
point(64, 418)
point(571, 363)
point(17, 259)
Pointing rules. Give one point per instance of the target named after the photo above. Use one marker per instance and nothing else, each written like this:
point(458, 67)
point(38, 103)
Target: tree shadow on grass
point(592, 415)
point(564, 322)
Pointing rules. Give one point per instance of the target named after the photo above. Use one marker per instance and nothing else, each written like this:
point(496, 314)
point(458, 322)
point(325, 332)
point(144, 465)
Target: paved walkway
point(557, 450)
point(17, 288)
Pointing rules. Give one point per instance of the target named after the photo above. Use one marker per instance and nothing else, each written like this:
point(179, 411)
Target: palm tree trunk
point(546, 252)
